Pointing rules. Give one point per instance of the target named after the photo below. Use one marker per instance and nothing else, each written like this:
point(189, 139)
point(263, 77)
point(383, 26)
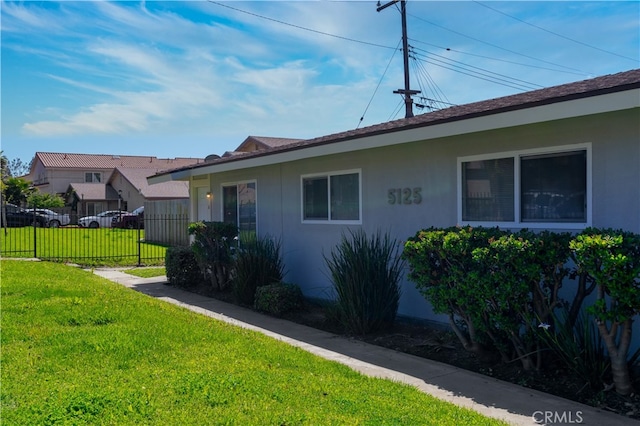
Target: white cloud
point(139, 69)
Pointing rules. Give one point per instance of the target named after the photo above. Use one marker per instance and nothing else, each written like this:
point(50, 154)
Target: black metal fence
point(144, 243)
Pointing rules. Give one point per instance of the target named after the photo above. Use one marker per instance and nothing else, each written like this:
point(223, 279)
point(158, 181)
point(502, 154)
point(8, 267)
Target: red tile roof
point(103, 161)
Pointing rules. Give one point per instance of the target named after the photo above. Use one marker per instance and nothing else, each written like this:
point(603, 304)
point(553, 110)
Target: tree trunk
point(468, 343)
point(618, 354)
point(585, 288)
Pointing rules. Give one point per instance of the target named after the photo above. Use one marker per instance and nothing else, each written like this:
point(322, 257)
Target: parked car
point(18, 217)
point(54, 220)
point(133, 220)
point(101, 220)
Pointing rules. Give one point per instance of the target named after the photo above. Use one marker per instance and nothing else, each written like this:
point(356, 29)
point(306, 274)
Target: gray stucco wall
point(614, 139)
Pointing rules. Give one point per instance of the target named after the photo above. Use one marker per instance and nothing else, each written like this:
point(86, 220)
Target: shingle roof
point(94, 191)
point(103, 161)
point(273, 142)
point(582, 89)
point(262, 142)
point(138, 178)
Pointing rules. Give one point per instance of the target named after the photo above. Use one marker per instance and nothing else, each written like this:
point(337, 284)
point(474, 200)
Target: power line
point(448, 49)
point(498, 47)
point(421, 71)
point(478, 70)
point(378, 86)
point(479, 75)
point(576, 71)
point(396, 111)
point(554, 33)
point(300, 27)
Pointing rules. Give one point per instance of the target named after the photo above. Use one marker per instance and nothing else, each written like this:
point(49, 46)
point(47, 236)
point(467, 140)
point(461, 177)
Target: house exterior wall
point(613, 141)
point(57, 181)
point(131, 197)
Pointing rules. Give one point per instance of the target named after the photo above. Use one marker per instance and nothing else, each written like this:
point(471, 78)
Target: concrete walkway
point(494, 398)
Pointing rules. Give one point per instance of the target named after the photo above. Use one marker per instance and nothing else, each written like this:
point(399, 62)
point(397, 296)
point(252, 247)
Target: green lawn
point(90, 247)
point(77, 349)
point(146, 272)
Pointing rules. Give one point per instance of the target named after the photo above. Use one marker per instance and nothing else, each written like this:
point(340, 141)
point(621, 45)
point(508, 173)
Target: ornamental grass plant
point(365, 273)
point(257, 263)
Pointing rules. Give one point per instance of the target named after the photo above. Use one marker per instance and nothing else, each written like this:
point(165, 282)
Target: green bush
point(213, 246)
point(365, 273)
point(182, 268)
point(504, 287)
point(494, 285)
point(278, 299)
point(505, 274)
point(257, 263)
point(442, 269)
point(612, 259)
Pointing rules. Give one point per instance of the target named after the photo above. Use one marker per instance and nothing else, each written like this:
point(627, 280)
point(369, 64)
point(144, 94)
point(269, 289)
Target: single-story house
point(560, 158)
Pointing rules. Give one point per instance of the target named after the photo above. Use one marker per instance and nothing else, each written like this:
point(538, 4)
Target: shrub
point(551, 254)
point(505, 273)
point(365, 273)
point(213, 246)
point(442, 269)
point(181, 267)
point(258, 263)
point(612, 259)
point(278, 299)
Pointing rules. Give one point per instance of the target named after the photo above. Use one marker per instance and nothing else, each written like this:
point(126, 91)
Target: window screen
point(488, 190)
point(553, 187)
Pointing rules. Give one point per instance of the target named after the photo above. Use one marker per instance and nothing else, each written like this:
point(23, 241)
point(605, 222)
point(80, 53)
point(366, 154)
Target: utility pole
point(406, 92)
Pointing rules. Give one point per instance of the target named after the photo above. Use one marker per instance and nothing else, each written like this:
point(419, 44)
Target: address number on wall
point(404, 195)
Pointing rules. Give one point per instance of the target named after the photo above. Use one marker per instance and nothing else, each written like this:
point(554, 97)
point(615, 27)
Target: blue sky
point(188, 79)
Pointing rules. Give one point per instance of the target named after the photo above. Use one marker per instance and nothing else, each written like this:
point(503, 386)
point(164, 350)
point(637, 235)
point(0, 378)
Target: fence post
point(35, 238)
point(139, 243)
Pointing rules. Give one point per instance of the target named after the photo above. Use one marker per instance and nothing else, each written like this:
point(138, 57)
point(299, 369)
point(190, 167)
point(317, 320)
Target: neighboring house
point(133, 186)
point(261, 143)
point(559, 158)
point(93, 183)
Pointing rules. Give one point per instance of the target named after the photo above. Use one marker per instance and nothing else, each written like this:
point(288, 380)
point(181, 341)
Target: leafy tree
point(17, 167)
point(45, 201)
point(612, 259)
point(16, 190)
point(13, 168)
point(4, 166)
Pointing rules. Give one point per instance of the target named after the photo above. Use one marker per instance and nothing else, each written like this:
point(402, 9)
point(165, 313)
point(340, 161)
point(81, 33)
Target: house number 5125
point(405, 195)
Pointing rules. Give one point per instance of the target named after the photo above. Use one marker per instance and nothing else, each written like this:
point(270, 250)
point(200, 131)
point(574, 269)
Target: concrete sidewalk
point(494, 398)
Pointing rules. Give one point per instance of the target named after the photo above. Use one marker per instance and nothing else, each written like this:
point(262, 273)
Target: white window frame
point(517, 156)
point(328, 175)
point(236, 183)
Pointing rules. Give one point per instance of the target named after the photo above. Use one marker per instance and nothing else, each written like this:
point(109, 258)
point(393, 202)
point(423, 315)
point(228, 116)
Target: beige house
point(92, 183)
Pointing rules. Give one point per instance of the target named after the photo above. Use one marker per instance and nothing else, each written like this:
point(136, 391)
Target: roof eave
point(549, 109)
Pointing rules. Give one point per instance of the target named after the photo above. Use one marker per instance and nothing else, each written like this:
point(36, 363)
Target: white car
point(101, 220)
point(54, 220)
